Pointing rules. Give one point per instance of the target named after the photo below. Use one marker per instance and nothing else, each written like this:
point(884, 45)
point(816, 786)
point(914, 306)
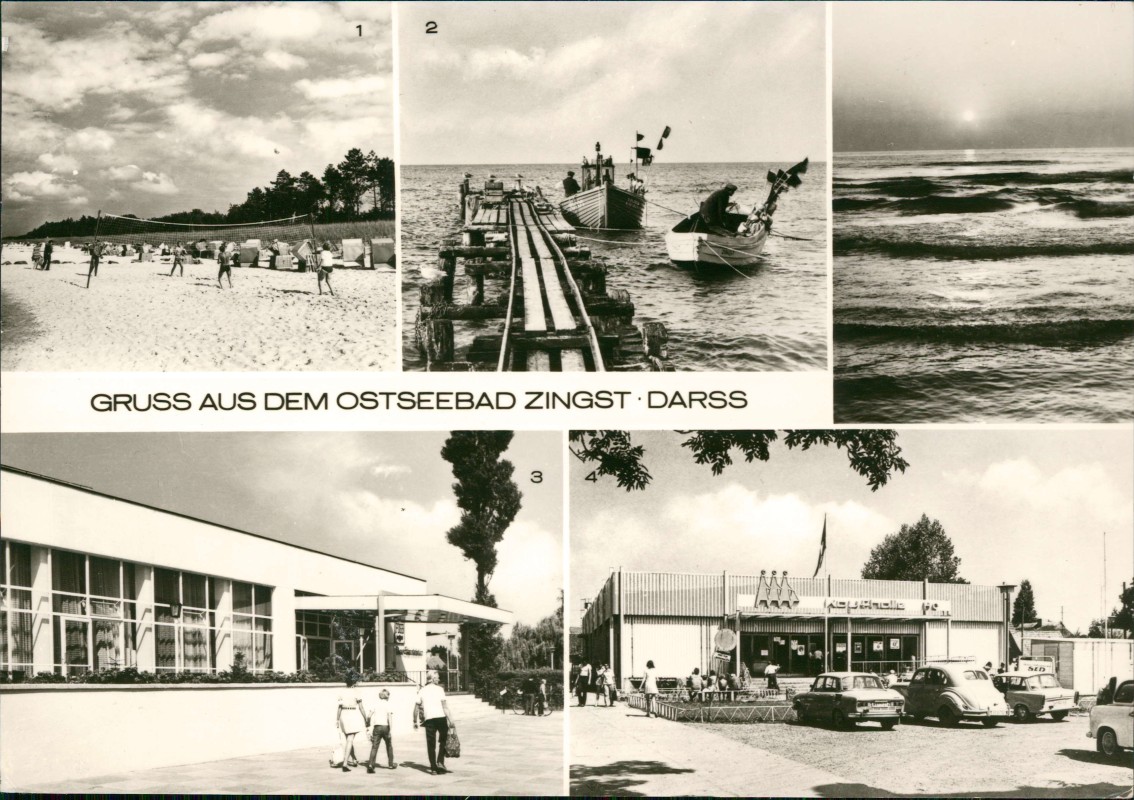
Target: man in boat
point(715, 206)
point(570, 185)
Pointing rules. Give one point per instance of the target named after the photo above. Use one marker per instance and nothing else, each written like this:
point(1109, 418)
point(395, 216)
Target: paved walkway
point(501, 755)
point(617, 752)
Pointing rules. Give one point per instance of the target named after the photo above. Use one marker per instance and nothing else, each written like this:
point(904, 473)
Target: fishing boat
point(740, 241)
point(601, 202)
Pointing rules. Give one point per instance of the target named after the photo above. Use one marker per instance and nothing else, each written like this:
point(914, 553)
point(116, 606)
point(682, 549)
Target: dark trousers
point(377, 736)
point(435, 729)
point(529, 703)
point(47, 262)
point(581, 693)
point(773, 682)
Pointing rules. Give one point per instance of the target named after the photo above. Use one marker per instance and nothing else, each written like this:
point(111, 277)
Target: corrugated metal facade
point(672, 594)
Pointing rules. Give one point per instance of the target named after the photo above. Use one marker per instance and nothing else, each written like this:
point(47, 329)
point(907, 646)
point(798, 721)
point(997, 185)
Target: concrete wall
point(980, 640)
point(58, 732)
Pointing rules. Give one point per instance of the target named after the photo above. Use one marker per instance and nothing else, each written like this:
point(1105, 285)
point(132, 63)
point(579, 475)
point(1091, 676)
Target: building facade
point(92, 582)
point(722, 621)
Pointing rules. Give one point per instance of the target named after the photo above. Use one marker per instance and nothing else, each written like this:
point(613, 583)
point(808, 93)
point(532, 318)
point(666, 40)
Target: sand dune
point(136, 317)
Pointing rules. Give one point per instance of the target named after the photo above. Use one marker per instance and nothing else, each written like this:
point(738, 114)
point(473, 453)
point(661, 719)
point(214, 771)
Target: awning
point(435, 608)
point(791, 614)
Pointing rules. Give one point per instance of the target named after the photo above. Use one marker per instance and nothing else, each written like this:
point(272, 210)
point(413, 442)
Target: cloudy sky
point(149, 108)
point(521, 83)
point(1016, 505)
point(942, 76)
point(380, 498)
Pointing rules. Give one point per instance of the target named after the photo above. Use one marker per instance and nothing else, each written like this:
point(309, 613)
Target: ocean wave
point(975, 250)
point(1010, 162)
point(1068, 333)
point(1097, 209)
point(1099, 176)
point(913, 186)
point(953, 204)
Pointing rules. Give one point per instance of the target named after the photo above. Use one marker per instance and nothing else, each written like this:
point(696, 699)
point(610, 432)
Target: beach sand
point(136, 317)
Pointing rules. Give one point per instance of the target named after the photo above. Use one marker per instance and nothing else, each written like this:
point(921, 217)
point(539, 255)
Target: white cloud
point(59, 74)
point(90, 140)
point(208, 60)
point(35, 185)
point(289, 22)
point(142, 180)
point(285, 61)
point(58, 162)
point(1078, 490)
point(221, 133)
point(389, 470)
point(339, 88)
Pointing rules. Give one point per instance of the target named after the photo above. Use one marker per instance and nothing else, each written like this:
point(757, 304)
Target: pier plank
point(534, 319)
point(561, 315)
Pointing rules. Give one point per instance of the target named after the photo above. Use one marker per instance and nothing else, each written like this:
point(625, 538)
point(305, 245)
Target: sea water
point(990, 285)
point(772, 317)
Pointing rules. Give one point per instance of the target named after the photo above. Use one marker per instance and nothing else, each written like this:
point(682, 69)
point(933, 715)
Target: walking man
point(432, 712)
point(582, 683)
point(47, 248)
point(381, 723)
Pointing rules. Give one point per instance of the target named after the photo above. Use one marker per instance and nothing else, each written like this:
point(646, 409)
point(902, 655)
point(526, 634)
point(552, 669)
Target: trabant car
point(1112, 720)
point(953, 692)
point(1029, 694)
point(846, 698)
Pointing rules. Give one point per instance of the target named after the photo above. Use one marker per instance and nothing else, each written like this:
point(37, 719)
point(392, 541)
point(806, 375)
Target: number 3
point(431, 27)
point(537, 476)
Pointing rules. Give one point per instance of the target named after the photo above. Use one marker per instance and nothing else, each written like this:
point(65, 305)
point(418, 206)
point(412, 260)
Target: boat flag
point(664, 136)
point(822, 548)
point(640, 136)
point(642, 152)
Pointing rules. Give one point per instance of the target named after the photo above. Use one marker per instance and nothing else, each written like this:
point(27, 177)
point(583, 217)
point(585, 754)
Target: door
point(918, 699)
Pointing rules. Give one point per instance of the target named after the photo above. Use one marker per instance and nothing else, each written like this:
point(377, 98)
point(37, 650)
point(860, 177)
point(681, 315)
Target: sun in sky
point(968, 115)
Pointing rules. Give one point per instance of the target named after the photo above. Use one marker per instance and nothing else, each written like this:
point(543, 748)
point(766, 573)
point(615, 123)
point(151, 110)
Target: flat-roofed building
point(721, 621)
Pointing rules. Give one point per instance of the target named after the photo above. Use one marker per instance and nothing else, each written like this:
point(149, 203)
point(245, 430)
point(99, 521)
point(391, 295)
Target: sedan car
point(846, 698)
point(953, 692)
point(1029, 694)
point(1112, 719)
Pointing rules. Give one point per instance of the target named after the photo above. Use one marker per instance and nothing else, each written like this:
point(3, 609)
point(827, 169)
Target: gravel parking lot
point(1038, 759)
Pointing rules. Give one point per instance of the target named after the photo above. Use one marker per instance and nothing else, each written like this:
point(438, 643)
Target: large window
point(15, 608)
point(185, 620)
point(252, 624)
point(94, 611)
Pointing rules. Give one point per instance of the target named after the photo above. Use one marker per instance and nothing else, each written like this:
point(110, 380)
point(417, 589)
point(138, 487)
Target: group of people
point(375, 719)
point(41, 255)
point(597, 679)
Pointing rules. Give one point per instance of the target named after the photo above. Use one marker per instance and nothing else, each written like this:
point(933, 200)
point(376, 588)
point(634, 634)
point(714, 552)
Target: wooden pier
point(520, 263)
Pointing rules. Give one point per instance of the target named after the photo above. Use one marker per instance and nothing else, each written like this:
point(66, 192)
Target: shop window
point(184, 631)
point(15, 609)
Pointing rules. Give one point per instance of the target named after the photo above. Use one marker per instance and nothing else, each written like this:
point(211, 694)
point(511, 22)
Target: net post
point(98, 223)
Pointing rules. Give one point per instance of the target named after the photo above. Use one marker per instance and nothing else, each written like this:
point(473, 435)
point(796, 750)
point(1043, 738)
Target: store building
point(92, 582)
point(806, 625)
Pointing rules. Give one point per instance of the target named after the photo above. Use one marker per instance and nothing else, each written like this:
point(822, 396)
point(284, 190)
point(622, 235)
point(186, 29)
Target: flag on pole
point(640, 136)
point(822, 548)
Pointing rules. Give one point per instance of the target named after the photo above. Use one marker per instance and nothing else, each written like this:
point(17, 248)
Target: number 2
point(431, 27)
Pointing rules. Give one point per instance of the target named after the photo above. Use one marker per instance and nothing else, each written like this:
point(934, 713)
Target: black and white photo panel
point(371, 600)
point(198, 186)
point(614, 186)
point(851, 613)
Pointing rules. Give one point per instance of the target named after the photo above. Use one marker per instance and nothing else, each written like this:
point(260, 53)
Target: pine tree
point(1024, 609)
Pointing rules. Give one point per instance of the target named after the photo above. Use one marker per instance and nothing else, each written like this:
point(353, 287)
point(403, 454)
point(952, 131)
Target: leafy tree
point(539, 645)
point(1124, 615)
point(874, 454)
point(1024, 609)
point(921, 551)
point(489, 500)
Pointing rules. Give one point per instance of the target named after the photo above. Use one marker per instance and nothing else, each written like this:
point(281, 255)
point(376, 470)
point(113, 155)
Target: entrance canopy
point(434, 608)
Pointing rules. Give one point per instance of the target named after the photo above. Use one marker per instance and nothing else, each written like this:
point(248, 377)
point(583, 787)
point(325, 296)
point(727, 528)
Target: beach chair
point(250, 253)
point(353, 252)
point(283, 259)
point(303, 253)
point(381, 252)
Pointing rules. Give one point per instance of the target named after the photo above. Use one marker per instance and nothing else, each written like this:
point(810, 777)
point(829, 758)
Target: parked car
point(1112, 718)
point(846, 698)
point(1029, 694)
point(953, 692)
